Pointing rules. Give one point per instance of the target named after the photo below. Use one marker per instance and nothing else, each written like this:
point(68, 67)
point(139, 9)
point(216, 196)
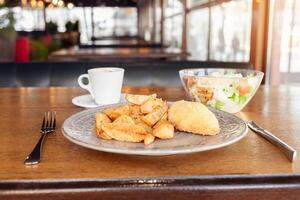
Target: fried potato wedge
point(124, 119)
point(151, 104)
point(163, 130)
point(104, 136)
point(135, 111)
point(165, 116)
point(138, 99)
point(114, 113)
point(153, 117)
point(149, 138)
point(125, 132)
point(101, 118)
point(143, 124)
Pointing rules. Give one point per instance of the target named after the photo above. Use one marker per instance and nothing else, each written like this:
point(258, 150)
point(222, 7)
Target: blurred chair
point(66, 74)
point(44, 74)
point(33, 74)
point(8, 74)
point(135, 76)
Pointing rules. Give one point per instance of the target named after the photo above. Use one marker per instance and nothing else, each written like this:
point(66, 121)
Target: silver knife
point(289, 151)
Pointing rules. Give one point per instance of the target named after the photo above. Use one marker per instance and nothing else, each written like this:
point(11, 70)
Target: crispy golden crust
point(149, 138)
point(163, 130)
point(193, 117)
point(124, 119)
point(125, 132)
point(153, 117)
point(101, 118)
point(138, 99)
point(165, 116)
point(135, 112)
point(151, 104)
point(103, 135)
point(143, 124)
point(114, 113)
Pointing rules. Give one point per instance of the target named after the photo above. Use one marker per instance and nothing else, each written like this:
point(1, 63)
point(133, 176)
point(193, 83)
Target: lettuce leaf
point(219, 104)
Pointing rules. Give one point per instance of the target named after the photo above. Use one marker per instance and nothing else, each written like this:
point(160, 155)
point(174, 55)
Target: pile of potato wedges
point(143, 119)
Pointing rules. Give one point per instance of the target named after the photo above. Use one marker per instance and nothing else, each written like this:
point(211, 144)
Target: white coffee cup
point(104, 84)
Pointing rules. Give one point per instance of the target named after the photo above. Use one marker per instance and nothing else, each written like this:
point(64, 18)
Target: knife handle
point(289, 151)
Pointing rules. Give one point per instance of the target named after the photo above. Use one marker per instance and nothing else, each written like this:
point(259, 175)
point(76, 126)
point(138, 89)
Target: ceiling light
point(24, 2)
point(70, 5)
point(33, 3)
point(50, 6)
point(60, 3)
point(54, 2)
point(41, 4)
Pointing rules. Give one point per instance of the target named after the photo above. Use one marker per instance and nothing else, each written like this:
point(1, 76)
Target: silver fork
point(48, 126)
point(289, 151)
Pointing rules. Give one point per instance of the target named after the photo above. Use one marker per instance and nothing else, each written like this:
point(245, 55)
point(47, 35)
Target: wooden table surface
point(107, 53)
point(275, 108)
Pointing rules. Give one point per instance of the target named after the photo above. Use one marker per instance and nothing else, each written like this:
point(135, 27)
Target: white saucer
point(86, 101)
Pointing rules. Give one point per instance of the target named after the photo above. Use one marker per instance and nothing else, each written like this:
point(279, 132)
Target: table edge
point(184, 182)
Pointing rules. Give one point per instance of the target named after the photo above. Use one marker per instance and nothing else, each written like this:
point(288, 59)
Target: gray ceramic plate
point(79, 129)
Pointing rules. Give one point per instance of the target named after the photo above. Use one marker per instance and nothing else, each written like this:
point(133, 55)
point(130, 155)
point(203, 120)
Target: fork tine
point(50, 120)
point(47, 121)
point(54, 121)
point(43, 124)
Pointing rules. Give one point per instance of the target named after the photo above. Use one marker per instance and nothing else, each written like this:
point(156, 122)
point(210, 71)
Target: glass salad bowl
point(225, 89)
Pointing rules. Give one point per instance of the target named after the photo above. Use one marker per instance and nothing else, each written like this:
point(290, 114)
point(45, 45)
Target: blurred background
point(51, 42)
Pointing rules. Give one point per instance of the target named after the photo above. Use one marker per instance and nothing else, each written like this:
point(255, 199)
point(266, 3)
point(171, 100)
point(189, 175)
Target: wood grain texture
point(275, 108)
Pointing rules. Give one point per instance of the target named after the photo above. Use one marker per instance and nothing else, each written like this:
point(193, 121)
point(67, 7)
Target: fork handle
point(35, 156)
point(289, 151)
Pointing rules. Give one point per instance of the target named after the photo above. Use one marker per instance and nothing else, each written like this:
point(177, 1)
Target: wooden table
point(116, 54)
point(245, 169)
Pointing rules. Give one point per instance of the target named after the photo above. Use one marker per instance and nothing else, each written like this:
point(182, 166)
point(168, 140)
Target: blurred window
point(173, 23)
point(284, 54)
point(197, 34)
point(173, 31)
point(192, 3)
point(157, 16)
point(227, 28)
point(173, 7)
point(28, 19)
point(108, 21)
point(3, 17)
point(115, 21)
point(231, 31)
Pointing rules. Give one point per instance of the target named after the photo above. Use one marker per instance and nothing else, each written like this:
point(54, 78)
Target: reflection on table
point(120, 42)
point(76, 54)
